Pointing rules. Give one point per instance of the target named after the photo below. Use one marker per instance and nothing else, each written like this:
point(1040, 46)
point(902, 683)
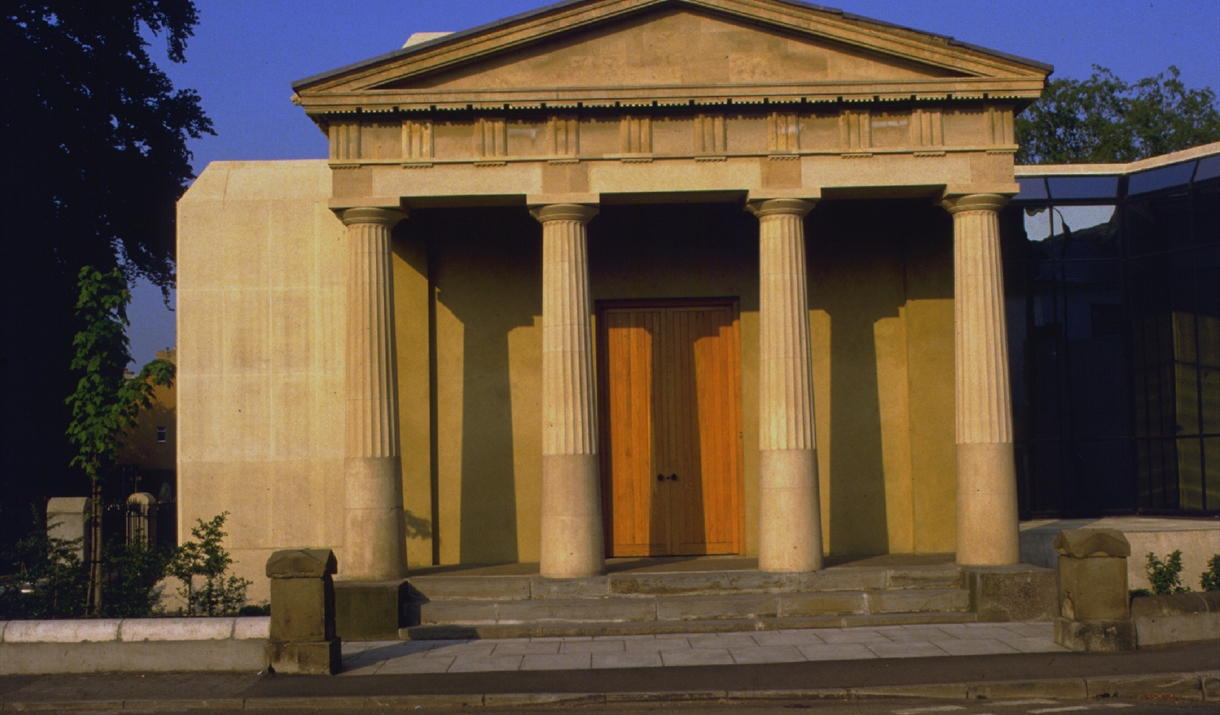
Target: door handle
point(660, 477)
point(673, 477)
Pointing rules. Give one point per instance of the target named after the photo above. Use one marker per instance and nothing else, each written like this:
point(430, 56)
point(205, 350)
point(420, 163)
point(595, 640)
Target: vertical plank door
point(704, 451)
point(671, 429)
point(634, 502)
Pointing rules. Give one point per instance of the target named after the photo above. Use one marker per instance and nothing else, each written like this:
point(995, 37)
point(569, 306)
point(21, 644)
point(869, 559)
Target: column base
point(573, 542)
point(370, 610)
point(374, 541)
point(987, 530)
point(789, 522)
point(310, 658)
point(1110, 636)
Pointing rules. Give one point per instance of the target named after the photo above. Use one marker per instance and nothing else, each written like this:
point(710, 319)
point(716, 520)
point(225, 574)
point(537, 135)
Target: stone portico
point(621, 277)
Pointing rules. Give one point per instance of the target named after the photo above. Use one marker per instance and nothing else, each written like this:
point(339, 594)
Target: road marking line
point(999, 703)
point(1058, 710)
point(937, 709)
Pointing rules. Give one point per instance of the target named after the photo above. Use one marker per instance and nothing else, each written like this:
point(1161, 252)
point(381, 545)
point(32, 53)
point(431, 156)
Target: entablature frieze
point(861, 130)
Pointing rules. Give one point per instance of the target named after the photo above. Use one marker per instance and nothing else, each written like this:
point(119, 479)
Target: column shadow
point(855, 254)
point(486, 268)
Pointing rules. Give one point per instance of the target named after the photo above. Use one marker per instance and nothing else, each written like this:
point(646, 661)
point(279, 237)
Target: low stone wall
point(105, 645)
point(1197, 538)
point(1177, 618)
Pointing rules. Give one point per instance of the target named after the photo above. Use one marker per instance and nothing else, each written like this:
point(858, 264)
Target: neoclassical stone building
point(615, 278)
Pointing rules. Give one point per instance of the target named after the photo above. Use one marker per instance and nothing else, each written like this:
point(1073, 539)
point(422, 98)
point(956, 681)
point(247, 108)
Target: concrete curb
point(1192, 686)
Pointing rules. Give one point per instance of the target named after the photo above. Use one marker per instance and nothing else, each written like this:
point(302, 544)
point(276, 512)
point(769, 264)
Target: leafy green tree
point(1104, 119)
point(106, 402)
point(94, 152)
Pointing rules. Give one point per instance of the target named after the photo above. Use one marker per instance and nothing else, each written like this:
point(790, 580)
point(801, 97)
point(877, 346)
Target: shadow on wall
point(486, 268)
point(856, 253)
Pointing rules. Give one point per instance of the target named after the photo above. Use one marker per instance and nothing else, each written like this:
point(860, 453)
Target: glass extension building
point(1112, 275)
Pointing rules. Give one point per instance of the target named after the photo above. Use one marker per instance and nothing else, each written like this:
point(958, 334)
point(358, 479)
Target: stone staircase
point(513, 606)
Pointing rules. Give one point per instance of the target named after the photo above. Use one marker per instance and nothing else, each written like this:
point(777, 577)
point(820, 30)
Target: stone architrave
point(572, 537)
point(790, 522)
point(987, 533)
point(374, 547)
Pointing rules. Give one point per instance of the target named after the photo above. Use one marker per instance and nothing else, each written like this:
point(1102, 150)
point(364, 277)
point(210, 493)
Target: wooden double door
point(670, 379)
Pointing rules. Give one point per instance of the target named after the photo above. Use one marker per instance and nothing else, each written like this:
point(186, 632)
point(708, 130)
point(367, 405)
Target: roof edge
point(564, 4)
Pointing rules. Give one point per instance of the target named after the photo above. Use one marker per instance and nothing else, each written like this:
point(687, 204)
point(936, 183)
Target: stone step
point(463, 612)
point(698, 583)
point(556, 629)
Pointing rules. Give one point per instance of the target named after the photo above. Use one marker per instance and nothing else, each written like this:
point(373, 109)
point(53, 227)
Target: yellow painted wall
point(881, 315)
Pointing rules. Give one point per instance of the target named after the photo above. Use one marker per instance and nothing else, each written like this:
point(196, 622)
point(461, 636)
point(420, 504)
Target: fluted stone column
point(373, 538)
point(790, 521)
point(987, 533)
point(572, 536)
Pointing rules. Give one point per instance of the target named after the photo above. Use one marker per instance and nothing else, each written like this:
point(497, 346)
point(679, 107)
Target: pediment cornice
point(401, 80)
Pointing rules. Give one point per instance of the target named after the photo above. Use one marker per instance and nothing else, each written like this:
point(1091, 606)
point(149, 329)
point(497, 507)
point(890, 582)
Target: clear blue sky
point(245, 56)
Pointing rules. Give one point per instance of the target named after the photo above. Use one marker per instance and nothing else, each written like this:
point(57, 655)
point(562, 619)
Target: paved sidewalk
point(739, 648)
point(1189, 671)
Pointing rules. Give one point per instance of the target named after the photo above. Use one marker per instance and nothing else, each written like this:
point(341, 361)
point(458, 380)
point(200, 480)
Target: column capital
point(583, 213)
point(974, 202)
point(781, 207)
point(367, 214)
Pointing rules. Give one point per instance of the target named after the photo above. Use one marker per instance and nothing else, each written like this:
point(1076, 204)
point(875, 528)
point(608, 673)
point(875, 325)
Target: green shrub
point(1210, 579)
point(1165, 576)
point(133, 571)
point(50, 581)
point(217, 592)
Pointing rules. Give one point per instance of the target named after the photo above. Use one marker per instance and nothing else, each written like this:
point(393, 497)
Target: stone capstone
point(1092, 543)
point(302, 563)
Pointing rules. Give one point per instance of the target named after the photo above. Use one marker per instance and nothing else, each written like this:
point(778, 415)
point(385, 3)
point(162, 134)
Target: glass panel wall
point(1114, 339)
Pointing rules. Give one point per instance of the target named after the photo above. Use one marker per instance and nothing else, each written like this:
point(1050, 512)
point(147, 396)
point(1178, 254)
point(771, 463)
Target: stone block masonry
point(156, 645)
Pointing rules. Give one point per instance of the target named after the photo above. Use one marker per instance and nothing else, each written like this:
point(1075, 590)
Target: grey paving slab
point(593, 647)
point(767, 654)
point(1044, 644)
point(657, 645)
point(704, 656)
point(480, 663)
point(974, 646)
point(362, 667)
point(627, 660)
point(415, 665)
point(527, 648)
point(460, 649)
point(559, 661)
point(852, 635)
point(719, 641)
point(766, 638)
point(630, 639)
point(905, 650)
point(836, 651)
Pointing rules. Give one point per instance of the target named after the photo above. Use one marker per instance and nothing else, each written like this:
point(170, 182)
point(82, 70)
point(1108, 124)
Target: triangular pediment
point(675, 47)
point(672, 52)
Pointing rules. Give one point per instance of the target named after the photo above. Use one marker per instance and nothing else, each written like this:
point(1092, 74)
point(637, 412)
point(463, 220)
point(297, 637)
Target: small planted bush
point(1165, 576)
point(1210, 579)
point(208, 589)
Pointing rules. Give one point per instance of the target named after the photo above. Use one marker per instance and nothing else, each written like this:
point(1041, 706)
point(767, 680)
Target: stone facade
point(463, 418)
